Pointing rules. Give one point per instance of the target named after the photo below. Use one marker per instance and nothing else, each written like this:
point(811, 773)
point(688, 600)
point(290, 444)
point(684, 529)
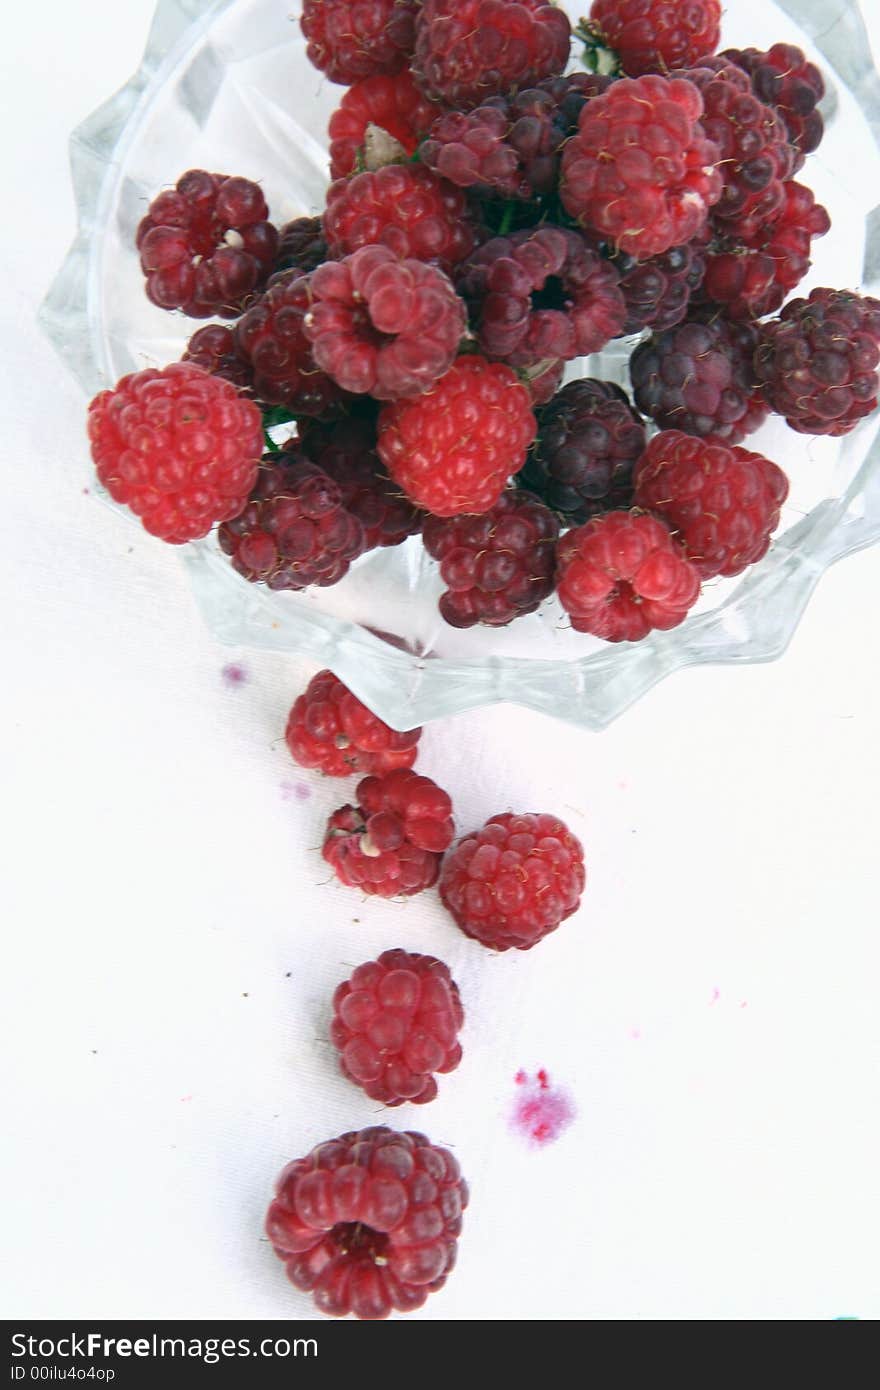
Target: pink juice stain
point(234, 674)
point(541, 1111)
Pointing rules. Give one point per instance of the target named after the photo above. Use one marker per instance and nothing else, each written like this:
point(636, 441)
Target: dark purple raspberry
point(347, 453)
point(541, 294)
point(818, 361)
point(301, 245)
point(206, 245)
point(213, 347)
point(589, 438)
point(784, 78)
point(658, 291)
point(700, 378)
point(270, 336)
point(294, 530)
point(497, 566)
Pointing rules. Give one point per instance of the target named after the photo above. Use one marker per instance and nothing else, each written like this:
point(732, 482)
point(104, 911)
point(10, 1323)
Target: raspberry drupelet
point(352, 39)
point(346, 450)
point(271, 338)
point(454, 449)
point(293, 530)
point(206, 245)
point(383, 326)
point(658, 291)
point(213, 347)
point(467, 50)
point(640, 172)
point(179, 447)
point(369, 1221)
point(700, 377)
point(541, 294)
point(301, 245)
point(623, 574)
point(405, 207)
point(391, 843)
point(395, 1023)
point(514, 881)
point(498, 566)
point(784, 78)
point(392, 105)
point(329, 729)
point(589, 440)
point(723, 503)
point(656, 35)
point(818, 361)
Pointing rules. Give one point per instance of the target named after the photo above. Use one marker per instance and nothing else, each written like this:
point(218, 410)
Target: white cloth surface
point(173, 939)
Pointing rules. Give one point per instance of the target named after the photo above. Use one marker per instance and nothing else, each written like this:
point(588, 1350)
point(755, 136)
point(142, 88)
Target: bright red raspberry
point(213, 347)
point(752, 276)
point(392, 841)
point(206, 245)
point(396, 1023)
point(754, 158)
point(498, 566)
point(541, 294)
point(700, 377)
point(293, 530)
point(394, 105)
point(301, 246)
point(467, 50)
point(818, 361)
point(180, 447)
point(405, 207)
point(641, 170)
point(330, 729)
point(784, 78)
point(623, 574)
point(346, 451)
point(454, 449)
point(383, 326)
point(271, 338)
point(583, 459)
point(656, 35)
point(514, 881)
point(352, 39)
point(369, 1221)
point(723, 503)
point(657, 292)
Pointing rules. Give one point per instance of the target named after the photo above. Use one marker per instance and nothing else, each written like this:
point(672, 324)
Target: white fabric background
point(172, 940)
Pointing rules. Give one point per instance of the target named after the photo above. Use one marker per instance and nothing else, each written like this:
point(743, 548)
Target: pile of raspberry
point(499, 210)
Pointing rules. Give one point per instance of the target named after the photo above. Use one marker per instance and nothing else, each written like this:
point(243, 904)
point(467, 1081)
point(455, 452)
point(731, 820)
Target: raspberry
point(498, 566)
point(301, 245)
point(352, 39)
point(640, 171)
point(467, 50)
point(657, 292)
point(540, 294)
point(347, 453)
point(391, 104)
point(453, 450)
point(271, 338)
point(623, 574)
point(178, 446)
point(656, 35)
point(514, 881)
point(754, 158)
point(588, 443)
point(700, 378)
point(369, 1221)
point(213, 347)
point(751, 277)
point(293, 530)
point(542, 380)
point(723, 503)
point(329, 729)
point(818, 361)
point(382, 325)
point(392, 842)
point(405, 207)
point(206, 245)
point(783, 78)
point(395, 1023)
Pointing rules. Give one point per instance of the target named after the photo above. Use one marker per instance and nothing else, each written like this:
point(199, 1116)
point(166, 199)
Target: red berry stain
point(542, 1112)
point(234, 675)
point(295, 791)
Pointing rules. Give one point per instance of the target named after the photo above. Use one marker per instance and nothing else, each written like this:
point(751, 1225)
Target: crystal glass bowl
point(226, 86)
